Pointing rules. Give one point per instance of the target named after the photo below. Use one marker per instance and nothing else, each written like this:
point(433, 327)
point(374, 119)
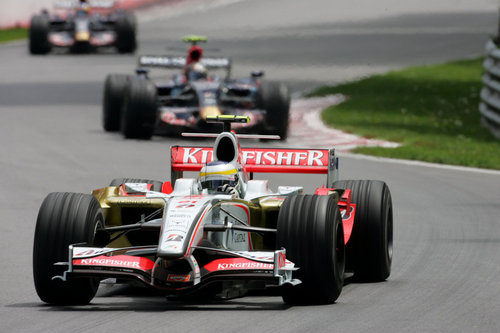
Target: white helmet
point(196, 71)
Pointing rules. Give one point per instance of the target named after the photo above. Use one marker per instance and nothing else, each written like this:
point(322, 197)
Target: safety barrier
point(490, 94)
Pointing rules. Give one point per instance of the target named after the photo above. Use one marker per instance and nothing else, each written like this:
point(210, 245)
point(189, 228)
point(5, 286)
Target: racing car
point(140, 105)
point(82, 26)
point(218, 235)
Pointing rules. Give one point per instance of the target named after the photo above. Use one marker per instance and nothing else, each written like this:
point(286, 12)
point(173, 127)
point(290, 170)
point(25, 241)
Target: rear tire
point(39, 35)
point(139, 110)
point(310, 229)
point(126, 41)
point(275, 99)
point(64, 219)
point(114, 91)
point(157, 185)
point(369, 250)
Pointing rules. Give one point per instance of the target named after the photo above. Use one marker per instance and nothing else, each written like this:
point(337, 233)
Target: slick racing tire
point(114, 90)
point(139, 109)
point(126, 41)
point(39, 35)
point(369, 250)
point(64, 219)
point(275, 99)
point(157, 185)
point(310, 229)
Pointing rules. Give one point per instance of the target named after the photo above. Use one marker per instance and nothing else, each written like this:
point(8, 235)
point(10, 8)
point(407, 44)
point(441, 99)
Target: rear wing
point(180, 62)
point(105, 4)
point(270, 160)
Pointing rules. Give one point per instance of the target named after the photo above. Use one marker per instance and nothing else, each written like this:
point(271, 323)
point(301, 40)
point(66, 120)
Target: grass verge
point(431, 110)
point(7, 35)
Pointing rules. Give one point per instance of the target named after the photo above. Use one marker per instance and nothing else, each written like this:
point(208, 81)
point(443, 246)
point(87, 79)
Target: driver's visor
point(227, 172)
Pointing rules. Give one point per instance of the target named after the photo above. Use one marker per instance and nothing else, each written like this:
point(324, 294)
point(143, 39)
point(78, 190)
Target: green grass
point(7, 35)
point(431, 110)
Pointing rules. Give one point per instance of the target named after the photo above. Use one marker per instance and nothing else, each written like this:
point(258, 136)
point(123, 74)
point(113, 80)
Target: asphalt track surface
point(446, 267)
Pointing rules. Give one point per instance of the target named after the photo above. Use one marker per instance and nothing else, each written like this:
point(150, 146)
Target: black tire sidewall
point(114, 90)
point(126, 41)
point(369, 250)
point(275, 99)
point(39, 35)
point(64, 219)
point(139, 109)
point(308, 226)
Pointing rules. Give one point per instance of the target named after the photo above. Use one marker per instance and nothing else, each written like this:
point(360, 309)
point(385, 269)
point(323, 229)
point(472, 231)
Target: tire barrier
point(490, 94)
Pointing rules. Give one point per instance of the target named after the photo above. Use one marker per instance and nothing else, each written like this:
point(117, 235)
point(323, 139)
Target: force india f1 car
point(139, 105)
point(183, 238)
point(83, 27)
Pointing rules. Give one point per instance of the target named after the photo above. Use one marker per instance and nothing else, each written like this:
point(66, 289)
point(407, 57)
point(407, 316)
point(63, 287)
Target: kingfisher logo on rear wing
point(271, 160)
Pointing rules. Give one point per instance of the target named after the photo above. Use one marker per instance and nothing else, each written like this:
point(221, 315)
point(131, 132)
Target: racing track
point(446, 266)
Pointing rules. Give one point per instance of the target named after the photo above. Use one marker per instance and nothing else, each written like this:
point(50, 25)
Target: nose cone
point(82, 36)
point(209, 111)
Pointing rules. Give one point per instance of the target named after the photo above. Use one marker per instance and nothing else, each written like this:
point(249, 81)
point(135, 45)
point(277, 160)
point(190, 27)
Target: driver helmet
point(83, 8)
point(217, 176)
point(196, 71)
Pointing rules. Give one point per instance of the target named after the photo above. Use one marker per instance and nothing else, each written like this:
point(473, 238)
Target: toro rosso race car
point(221, 234)
point(140, 105)
point(82, 26)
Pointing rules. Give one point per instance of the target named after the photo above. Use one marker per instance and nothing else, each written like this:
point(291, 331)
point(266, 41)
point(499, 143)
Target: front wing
point(141, 264)
point(189, 117)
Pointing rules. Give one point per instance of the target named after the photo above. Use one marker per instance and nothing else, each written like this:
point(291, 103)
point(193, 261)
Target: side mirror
point(142, 71)
point(257, 74)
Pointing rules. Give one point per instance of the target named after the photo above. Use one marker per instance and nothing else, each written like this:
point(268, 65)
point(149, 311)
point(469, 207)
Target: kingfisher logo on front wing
point(236, 264)
point(123, 261)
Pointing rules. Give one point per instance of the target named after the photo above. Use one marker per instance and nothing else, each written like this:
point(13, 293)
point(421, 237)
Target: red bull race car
point(142, 105)
point(83, 26)
point(220, 234)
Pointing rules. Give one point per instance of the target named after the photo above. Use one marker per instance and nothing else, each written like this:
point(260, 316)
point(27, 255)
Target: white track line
point(420, 163)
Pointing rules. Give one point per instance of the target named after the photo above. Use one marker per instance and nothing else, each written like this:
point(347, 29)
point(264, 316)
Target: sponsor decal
point(122, 261)
point(162, 61)
point(79, 252)
point(236, 264)
point(179, 62)
point(281, 260)
point(256, 156)
point(175, 238)
point(178, 277)
point(239, 238)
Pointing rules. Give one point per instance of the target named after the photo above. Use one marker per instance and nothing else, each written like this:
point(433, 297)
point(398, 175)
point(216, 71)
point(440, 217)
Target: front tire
point(126, 41)
point(39, 35)
point(139, 111)
point(310, 229)
point(369, 250)
point(114, 91)
point(275, 99)
point(64, 219)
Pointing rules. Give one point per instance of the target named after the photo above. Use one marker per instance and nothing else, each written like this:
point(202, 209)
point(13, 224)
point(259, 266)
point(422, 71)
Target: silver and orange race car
point(83, 26)
point(218, 235)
